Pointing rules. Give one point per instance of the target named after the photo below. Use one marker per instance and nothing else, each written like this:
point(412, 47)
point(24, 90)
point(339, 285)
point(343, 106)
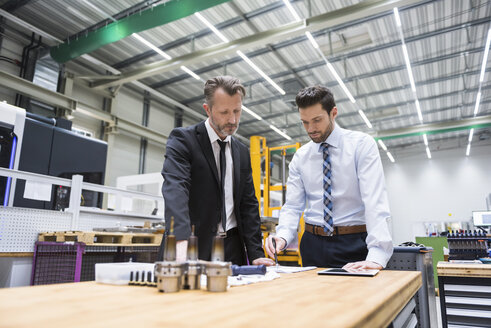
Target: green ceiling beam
point(141, 21)
point(435, 128)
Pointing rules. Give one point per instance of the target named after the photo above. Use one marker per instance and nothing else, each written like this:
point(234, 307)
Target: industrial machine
point(37, 144)
point(11, 132)
point(261, 174)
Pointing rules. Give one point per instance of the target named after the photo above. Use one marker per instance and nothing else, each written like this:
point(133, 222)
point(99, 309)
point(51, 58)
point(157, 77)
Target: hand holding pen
point(274, 245)
point(275, 252)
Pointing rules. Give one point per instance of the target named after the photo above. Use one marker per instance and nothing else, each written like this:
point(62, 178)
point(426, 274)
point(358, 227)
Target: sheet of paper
point(246, 279)
point(289, 269)
point(37, 191)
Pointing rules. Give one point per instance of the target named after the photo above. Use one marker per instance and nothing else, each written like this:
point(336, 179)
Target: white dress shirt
point(229, 181)
point(358, 190)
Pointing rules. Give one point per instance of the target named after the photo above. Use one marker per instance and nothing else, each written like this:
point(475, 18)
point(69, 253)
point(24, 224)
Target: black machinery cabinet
point(465, 294)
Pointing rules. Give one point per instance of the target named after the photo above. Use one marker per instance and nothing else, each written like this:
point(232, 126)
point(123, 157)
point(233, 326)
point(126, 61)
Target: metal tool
point(170, 243)
point(193, 270)
point(217, 271)
point(169, 276)
point(218, 249)
point(169, 272)
point(248, 269)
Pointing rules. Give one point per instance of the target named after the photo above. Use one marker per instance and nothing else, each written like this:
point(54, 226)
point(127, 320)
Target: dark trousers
point(234, 248)
point(334, 251)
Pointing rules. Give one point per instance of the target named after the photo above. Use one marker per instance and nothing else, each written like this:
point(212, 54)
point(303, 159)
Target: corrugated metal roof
point(445, 41)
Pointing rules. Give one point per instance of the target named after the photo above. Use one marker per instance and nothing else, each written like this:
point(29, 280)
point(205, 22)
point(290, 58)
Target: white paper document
point(37, 191)
point(246, 279)
point(289, 269)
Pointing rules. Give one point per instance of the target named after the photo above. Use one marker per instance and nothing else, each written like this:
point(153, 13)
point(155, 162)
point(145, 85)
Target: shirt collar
point(333, 138)
point(212, 134)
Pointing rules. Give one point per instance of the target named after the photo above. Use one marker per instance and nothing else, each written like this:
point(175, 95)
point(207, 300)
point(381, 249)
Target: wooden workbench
point(302, 299)
point(465, 293)
point(475, 270)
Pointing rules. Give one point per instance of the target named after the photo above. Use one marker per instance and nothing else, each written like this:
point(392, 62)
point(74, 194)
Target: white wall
point(446, 188)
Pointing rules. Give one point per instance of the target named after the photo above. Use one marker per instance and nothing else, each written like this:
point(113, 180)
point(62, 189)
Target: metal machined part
point(169, 276)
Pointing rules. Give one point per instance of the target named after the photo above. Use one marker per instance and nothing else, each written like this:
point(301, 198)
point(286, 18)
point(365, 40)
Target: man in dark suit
point(197, 191)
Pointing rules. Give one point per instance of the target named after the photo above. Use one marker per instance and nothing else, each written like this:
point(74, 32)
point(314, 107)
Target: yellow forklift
point(261, 173)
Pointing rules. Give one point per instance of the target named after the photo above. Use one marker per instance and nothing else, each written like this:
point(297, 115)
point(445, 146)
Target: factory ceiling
point(410, 77)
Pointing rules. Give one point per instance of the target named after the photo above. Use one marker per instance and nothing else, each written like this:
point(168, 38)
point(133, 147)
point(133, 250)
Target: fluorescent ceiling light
point(212, 27)
point(428, 153)
point(418, 108)
point(257, 69)
point(312, 40)
point(78, 14)
point(338, 78)
point(151, 46)
point(485, 58)
point(396, 15)
point(281, 133)
point(290, 8)
point(471, 134)
point(478, 99)
point(425, 139)
point(331, 68)
point(389, 155)
point(408, 66)
point(190, 72)
point(250, 112)
point(468, 150)
point(381, 143)
point(364, 117)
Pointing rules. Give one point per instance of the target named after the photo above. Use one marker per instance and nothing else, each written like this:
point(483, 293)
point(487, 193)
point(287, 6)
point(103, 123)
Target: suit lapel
point(236, 160)
point(204, 141)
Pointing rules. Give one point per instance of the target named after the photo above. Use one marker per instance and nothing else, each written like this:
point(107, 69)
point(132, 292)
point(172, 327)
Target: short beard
point(324, 136)
point(221, 130)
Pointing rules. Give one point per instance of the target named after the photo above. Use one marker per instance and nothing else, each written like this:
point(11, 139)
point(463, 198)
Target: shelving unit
point(465, 294)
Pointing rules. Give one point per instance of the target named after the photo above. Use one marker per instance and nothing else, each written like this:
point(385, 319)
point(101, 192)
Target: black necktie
point(223, 169)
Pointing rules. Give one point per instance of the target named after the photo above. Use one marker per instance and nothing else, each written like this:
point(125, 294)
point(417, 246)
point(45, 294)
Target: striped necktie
point(326, 168)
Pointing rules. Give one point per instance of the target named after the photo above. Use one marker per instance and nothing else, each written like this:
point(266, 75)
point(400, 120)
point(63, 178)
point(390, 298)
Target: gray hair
point(229, 84)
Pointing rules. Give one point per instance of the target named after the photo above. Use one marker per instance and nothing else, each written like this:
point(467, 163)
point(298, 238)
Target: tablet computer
point(342, 272)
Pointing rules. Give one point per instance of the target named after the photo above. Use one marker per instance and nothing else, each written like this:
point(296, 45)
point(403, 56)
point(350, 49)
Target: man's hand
point(361, 266)
point(263, 260)
point(181, 250)
point(280, 244)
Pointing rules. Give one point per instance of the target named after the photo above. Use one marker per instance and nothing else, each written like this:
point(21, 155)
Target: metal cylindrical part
point(192, 276)
point(192, 254)
point(170, 248)
point(217, 274)
point(169, 276)
point(218, 249)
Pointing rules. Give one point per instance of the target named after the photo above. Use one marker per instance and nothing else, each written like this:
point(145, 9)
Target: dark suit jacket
point(192, 194)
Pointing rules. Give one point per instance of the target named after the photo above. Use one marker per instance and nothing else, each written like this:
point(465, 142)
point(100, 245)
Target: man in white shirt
point(337, 182)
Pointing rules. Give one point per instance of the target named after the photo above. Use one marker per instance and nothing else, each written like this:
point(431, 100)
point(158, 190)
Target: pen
point(275, 254)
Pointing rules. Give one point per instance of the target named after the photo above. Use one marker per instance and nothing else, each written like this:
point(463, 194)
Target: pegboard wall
point(19, 227)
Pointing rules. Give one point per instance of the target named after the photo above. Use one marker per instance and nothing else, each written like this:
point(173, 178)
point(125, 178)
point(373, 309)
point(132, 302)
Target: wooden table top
point(302, 299)
point(476, 270)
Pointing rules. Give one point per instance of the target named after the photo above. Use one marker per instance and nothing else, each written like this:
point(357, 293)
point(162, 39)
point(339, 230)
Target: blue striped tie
point(326, 168)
